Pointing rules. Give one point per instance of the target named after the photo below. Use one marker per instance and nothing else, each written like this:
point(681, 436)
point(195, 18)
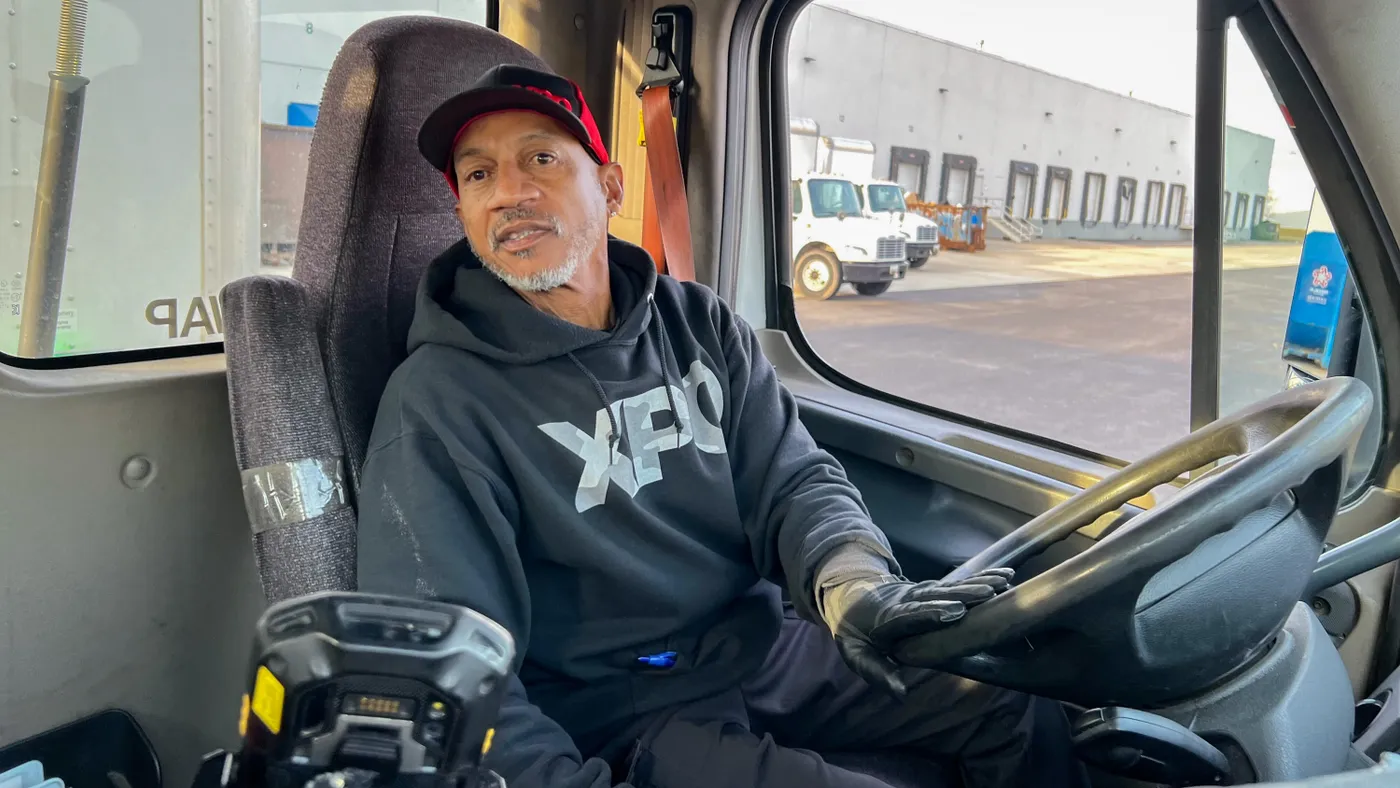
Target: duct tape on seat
point(287, 493)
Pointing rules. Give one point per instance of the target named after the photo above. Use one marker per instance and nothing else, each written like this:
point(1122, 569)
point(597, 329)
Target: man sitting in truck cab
point(602, 460)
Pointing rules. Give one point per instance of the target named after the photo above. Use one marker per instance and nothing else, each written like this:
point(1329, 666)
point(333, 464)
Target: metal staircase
point(1013, 228)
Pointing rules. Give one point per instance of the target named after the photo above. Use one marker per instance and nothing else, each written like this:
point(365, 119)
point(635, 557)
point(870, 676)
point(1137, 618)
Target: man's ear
point(610, 175)
point(461, 217)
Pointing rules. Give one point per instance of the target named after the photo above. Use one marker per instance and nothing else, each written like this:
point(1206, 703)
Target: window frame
point(1322, 140)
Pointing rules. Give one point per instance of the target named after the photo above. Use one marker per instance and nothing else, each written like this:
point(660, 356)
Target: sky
point(1145, 48)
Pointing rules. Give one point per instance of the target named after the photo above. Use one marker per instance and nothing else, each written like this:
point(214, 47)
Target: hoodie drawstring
point(665, 365)
point(614, 433)
point(615, 436)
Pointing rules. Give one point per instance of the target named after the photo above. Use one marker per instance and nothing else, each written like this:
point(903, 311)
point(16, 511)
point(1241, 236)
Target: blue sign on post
point(1319, 296)
point(302, 114)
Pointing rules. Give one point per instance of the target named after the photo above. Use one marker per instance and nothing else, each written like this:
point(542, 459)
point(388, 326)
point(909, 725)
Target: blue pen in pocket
point(665, 659)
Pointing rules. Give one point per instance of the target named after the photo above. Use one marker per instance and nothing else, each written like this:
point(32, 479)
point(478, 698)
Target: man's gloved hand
point(869, 614)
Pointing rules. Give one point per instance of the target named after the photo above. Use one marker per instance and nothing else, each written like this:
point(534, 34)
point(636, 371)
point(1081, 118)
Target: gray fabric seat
point(309, 356)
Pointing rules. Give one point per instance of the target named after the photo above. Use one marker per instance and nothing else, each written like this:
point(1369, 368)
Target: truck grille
point(927, 234)
point(891, 248)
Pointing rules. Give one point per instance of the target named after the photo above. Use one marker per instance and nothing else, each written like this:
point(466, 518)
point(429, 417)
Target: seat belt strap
point(651, 223)
point(665, 209)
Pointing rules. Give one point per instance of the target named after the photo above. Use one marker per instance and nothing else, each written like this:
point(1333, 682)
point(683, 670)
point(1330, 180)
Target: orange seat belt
point(665, 210)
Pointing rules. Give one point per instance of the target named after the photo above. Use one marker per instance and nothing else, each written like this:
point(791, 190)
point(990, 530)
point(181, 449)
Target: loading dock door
point(1127, 202)
point(1176, 199)
point(958, 181)
point(1152, 212)
point(907, 175)
point(1093, 198)
point(1021, 197)
point(1056, 193)
point(909, 168)
point(1020, 192)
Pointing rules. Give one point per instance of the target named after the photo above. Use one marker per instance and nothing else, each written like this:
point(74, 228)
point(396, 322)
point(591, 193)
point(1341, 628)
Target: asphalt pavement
point(1084, 343)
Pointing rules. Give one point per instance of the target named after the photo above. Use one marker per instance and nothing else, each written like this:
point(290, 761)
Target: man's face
point(533, 204)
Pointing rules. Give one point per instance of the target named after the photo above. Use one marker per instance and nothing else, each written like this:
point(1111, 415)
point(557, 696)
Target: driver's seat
point(308, 356)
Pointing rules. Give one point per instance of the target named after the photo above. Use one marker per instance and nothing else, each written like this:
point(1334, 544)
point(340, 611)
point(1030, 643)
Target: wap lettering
point(199, 312)
point(602, 465)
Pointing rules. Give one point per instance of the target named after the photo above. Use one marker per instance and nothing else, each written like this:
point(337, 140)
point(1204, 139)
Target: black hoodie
point(533, 470)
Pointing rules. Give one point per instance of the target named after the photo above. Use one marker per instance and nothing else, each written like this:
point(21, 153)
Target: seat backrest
point(308, 357)
point(375, 212)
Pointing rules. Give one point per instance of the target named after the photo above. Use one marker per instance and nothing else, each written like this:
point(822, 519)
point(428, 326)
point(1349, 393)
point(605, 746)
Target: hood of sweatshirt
point(463, 305)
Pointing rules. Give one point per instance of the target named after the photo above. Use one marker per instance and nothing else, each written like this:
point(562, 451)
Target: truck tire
point(917, 262)
point(872, 288)
point(817, 275)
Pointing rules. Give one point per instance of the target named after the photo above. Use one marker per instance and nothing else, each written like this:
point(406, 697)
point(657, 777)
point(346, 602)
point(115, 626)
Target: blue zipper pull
point(665, 659)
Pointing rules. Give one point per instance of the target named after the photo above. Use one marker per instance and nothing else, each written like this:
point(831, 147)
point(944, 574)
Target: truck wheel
point(917, 262)
point(818, 275)
point(873, 288)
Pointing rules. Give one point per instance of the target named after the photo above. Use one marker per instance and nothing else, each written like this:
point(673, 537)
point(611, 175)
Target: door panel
point(1021, 200)
point(957, 186)
point(115, 592)
point(908, 176)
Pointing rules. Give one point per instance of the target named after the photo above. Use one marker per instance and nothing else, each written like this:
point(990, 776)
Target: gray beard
point(539, 281)
point(581, 247)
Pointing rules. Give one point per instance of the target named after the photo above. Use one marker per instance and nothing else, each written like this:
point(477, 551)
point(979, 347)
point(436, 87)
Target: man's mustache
point(521, 215)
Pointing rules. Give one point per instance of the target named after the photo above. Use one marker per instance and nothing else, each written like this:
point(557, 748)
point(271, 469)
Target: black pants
point(805, 700)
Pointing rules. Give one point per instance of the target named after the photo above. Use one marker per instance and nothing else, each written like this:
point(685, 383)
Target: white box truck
point(884, 200)
point(834, 242)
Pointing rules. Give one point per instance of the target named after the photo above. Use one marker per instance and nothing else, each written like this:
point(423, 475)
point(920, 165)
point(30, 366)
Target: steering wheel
point(1180, 596)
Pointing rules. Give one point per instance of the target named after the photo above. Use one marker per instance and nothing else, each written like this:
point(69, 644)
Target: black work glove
point(869, 614)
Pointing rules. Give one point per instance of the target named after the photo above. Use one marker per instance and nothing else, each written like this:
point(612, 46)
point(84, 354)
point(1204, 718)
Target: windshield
point(886, 198)
point(831, 197)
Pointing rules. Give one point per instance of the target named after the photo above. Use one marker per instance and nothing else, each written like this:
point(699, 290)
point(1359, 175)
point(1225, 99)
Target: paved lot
point(1088, 343)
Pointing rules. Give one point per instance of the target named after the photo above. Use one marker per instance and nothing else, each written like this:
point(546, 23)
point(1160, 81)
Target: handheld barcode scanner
point(402, 690)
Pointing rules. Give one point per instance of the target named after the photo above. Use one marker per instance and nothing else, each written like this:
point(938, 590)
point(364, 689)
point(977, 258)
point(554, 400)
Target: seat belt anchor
point(662, 68)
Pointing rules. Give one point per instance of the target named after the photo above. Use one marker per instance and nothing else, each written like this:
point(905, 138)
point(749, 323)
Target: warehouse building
point(955, 125)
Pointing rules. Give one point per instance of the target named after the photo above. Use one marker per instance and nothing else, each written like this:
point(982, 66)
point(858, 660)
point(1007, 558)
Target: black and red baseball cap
point(505, 88)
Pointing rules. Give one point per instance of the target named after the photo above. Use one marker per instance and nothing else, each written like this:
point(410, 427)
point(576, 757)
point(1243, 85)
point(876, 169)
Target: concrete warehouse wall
point(1248, 160)
point(869, 80)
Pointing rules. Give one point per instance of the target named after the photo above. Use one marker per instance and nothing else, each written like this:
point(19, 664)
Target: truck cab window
point(168, 200)
point(1078, 332)
point(833, 198)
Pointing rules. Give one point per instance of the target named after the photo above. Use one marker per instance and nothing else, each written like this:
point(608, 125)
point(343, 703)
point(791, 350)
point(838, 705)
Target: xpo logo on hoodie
point(602, 465)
